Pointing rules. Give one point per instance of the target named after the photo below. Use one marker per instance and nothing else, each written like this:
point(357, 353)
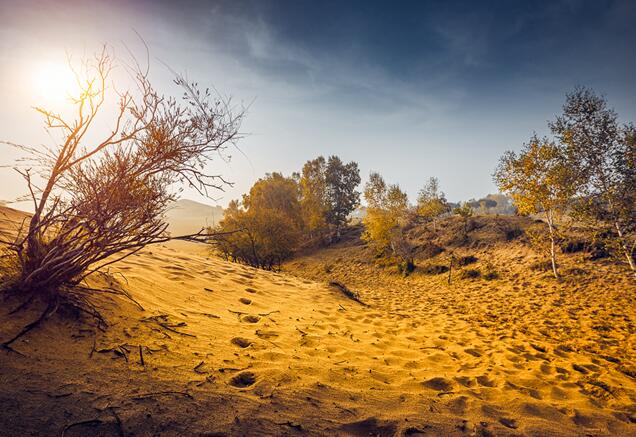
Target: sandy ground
point(223, 349)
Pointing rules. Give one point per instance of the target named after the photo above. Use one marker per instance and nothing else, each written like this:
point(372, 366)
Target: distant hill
point(187, 216)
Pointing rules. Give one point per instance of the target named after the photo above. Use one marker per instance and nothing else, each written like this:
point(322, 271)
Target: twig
point(50, 309)
point(120, 426)
point(348, 293)
point(198, 367)
point(162, 393)
point(267, 314)
point(185, 334)
point(84, 422)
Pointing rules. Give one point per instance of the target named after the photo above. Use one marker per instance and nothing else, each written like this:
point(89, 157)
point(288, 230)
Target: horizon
point(427, 90)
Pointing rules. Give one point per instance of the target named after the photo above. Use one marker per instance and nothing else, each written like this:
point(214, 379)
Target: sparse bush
point(573, 246)
point(492, 275)
point(406, 267)
point(513, 233)
point(429, 250)
point(431, 202)
point(541, 266)
point(491, 272)
point(577, 271)
point(466, 260)
point(435, 269)
point(465, 212)
point(470, 274)
point(103, 199)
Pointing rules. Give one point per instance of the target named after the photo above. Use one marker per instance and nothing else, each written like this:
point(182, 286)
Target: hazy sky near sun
point(409, 89)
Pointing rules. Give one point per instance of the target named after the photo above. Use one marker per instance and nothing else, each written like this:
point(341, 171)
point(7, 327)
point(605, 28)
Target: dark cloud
point(476, 48)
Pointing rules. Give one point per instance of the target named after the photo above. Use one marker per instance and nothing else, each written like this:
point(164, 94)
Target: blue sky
point(409, 89)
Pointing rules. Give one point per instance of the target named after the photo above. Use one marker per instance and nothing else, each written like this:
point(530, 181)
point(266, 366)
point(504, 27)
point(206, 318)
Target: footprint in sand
point(250, 319)
point(243, 380)
point(371, 426)
point(241, 342)
point(474, 352)
point(250, 290)
point(466, 381)
point(245, 301)
point(439, 384)
point(484, 381)
point(509, 423)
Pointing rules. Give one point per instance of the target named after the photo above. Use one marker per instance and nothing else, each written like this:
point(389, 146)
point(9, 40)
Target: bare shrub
point(104, 200)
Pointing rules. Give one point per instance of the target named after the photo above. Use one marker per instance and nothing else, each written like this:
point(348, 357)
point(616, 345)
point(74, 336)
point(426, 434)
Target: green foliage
point(602, 154)
point(385, 220)
point(431, 201)
point(341, 196)
point(465, 212)
point(540, 181)
point(313, 192)
point(265, 228)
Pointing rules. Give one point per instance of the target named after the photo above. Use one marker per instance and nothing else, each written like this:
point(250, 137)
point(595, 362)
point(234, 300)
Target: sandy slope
point(230, 349)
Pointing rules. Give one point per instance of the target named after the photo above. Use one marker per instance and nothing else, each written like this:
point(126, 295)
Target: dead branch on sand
point(348, 293)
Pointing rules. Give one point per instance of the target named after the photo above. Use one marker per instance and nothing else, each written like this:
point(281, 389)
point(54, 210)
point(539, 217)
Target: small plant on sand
point(470, 274)
point(435, 269)
point(490, 271)
point(466, 260)
point(98, 200)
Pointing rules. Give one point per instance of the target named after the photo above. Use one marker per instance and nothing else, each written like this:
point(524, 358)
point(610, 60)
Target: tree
point(342, 197)
point(313, 200)
point(601, 153)
point(431, 201)
point(102, 200)
point(385, 220)
point(540, 182)
point(268, 221)
point(465, 211)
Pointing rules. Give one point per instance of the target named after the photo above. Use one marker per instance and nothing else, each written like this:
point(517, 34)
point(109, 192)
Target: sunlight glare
point(53, 83)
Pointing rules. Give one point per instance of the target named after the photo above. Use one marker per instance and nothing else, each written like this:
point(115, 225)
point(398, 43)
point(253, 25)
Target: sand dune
point(187, 216)
point(223, 349)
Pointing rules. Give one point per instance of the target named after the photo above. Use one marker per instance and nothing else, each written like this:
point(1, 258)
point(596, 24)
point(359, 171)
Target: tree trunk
point(626, 251)
point(552, 245)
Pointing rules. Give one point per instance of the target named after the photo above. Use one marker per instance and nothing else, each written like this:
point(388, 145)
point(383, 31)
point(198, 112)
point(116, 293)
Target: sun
point(52, 82)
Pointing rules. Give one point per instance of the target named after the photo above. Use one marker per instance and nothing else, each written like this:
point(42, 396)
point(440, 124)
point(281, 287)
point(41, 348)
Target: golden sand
point(236, 350)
